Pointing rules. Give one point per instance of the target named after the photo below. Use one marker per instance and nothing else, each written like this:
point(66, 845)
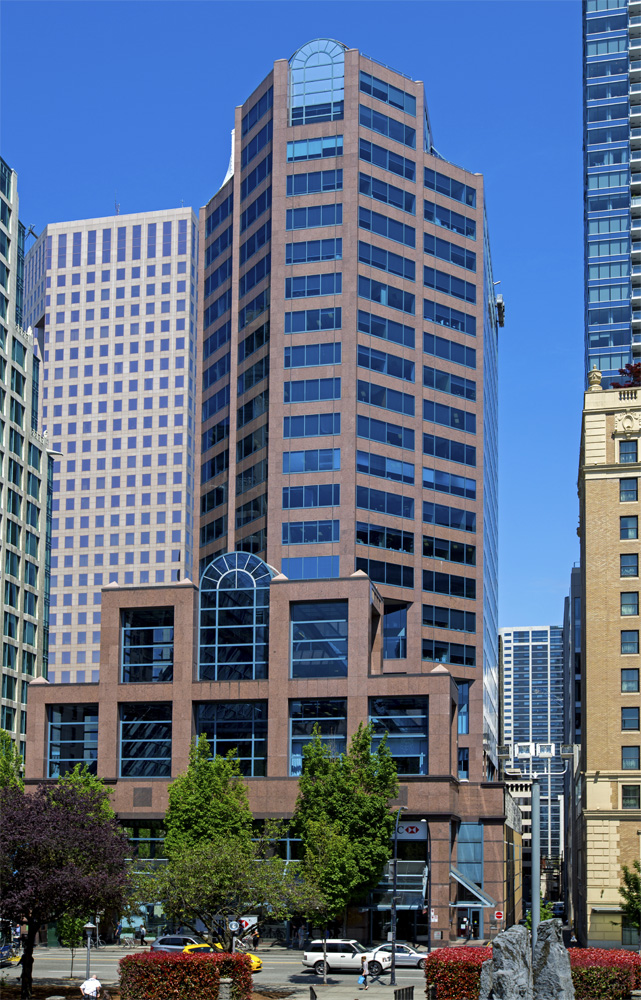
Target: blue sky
point(134, 102)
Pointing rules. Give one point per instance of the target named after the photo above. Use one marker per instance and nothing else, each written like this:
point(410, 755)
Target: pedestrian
point(301, 936)
point(24, 928)
point(16, 937)
point(142, 934)
point(362, 979)
point(255, 938)
point(118, 931)
point(91, 987)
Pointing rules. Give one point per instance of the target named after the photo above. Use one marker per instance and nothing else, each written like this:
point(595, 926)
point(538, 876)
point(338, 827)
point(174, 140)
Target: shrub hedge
point(604, 973)
point(597, 973)
point(456, 972)
point(157, 975)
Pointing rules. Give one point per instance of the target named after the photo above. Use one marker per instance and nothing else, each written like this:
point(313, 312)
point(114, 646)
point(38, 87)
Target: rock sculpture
point(551, 964)
point(508, 975)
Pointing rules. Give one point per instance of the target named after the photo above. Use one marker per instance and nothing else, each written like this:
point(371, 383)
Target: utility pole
point(536, 859)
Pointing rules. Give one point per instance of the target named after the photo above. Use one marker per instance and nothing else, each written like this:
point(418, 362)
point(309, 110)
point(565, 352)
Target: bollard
point(224, 989)
point(431, 991)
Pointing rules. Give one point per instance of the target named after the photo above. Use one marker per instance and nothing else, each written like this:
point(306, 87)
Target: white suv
point(344, 954)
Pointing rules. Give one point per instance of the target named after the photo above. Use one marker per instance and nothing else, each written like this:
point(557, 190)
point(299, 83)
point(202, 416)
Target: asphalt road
point(280, 968)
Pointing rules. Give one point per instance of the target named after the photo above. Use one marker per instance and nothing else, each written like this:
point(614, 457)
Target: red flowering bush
point(604, 973)
point(157, 975)
point(597, 973)
point(456, 972)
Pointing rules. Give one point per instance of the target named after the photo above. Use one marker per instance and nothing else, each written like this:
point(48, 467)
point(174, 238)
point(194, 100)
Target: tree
point(216, 872)
point(345, 799)
point(545, 913)
point(82, 779)
point(330, 868)
point(58, 855)
point(223, 878)
point(210, 798)
point(630, 893)
point(71, 934)
point(10, 762)
point(633, 375)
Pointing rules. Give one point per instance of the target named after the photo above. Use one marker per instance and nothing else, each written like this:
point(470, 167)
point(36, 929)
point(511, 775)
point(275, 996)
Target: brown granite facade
point(394, 507)
point(441, 798)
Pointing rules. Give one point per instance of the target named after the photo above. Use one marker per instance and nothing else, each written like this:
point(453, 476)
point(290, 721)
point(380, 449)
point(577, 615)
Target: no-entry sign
point(498, 914)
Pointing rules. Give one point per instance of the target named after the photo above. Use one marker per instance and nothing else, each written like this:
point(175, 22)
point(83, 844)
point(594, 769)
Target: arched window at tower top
point(317, 82)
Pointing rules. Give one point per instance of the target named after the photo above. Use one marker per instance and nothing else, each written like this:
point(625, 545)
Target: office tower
point(317, 270)
point(113, 304)
point(534, 713)
point(348, 529)
point(612, 167)
point(23, 480)
point(610, 768)
point(572, 653)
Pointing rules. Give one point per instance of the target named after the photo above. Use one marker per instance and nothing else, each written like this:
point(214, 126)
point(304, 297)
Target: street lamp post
point(429, 886)
point(536, 859)
point(394, 884)
point(639, 835)
point(89, 929)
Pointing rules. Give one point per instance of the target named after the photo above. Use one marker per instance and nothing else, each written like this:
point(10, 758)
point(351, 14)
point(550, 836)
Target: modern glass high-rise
point(24, 481)
point(534, 712)
point(113, 302)
point(612, 167)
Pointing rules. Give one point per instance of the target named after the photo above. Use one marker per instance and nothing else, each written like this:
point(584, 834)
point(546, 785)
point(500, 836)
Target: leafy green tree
point(71, 933)
point(329, 869)
point(82, 780)
point(216, 870)
point(10, 762)
point(630, 893)
point(546, 913)
point(222, 878)
point(210, 798)
point(344, 799)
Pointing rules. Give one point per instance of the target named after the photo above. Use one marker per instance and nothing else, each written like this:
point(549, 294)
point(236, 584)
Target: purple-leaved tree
point(59, 854)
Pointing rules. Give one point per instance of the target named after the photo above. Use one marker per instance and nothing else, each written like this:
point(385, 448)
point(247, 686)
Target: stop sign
point(498, 915)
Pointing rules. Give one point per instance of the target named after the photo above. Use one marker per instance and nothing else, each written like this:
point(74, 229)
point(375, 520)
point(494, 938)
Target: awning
point(472, 888)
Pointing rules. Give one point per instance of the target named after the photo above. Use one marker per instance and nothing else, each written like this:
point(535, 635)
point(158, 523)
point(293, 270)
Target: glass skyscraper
point(533, 712)
point(25, 480)
point(612, 167)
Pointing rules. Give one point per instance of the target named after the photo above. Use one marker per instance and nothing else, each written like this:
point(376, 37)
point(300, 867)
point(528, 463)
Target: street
point(280, 968)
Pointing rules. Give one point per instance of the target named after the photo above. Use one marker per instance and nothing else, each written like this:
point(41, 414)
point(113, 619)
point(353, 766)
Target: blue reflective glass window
point(234, 618)
point(404, 721)
point(328, 715)
point(311, 567)
point(145, 740)
point(310, 532)
point(147, 644)
point(390, 574)
point(239, 727)
point(72, 738)
point(317, 82)
point(318, 639)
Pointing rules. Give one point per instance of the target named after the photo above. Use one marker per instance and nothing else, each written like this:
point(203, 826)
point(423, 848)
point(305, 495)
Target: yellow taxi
point(207, 949)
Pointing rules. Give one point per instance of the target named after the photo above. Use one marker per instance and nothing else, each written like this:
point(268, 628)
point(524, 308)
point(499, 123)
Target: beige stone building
point(611, 775)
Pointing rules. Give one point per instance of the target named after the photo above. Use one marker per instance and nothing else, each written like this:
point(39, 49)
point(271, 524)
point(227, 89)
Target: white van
point(344, 954)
